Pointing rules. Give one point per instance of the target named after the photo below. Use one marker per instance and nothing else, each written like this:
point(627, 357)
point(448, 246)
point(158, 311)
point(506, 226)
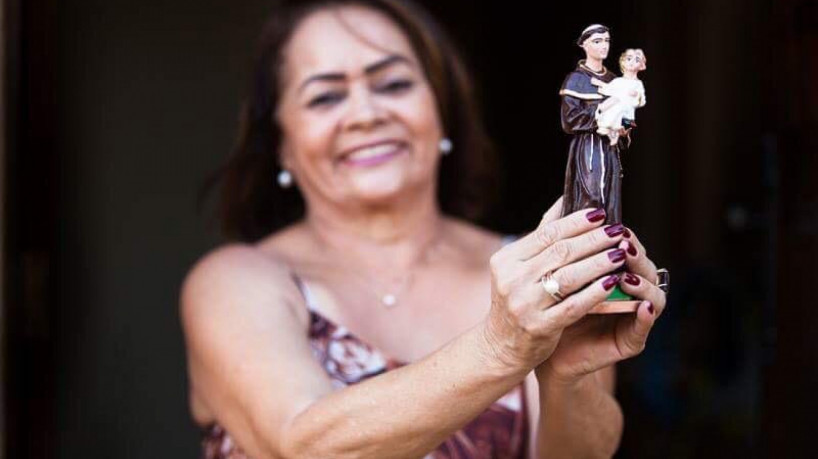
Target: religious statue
point(597, 110)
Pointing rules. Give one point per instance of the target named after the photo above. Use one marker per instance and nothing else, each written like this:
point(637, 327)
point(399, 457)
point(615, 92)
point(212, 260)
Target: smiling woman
point(359, 313)
point(468, 182)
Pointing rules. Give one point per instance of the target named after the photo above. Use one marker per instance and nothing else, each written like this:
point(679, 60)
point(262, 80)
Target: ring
point(551, 286)
point(663, 281)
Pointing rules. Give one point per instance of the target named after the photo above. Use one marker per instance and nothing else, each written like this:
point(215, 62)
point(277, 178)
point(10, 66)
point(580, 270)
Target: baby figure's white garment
point(610, 119)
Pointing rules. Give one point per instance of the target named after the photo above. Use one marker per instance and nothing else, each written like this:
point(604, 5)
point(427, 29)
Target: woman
point(377, 324)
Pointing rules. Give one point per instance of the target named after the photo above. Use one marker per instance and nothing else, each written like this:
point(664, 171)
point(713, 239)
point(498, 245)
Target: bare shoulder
point(236, 280)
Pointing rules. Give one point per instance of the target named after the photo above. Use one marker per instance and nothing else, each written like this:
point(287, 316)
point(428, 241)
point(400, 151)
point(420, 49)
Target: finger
point(639, 287)
point(566, 251)
point(548, 233)
point(553, 212)
point(574, 276)
point(632, 335)
point(576, 306)
point(637, 261)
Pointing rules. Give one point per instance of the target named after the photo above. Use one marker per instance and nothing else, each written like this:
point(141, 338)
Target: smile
point(373, 154)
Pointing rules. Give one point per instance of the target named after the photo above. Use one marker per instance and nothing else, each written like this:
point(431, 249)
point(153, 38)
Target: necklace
point(387, 296)
point(387, 293)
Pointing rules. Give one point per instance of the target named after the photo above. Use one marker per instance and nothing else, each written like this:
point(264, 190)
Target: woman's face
point(359, 120)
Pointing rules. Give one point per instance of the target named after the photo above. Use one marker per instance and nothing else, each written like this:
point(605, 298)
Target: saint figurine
point(593, 175)
point(625, 94)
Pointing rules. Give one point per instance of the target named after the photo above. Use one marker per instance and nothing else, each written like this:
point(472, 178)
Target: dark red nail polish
point(596, 215)
point(627, 233)
point(631, 279)
point(632, 250)
point(614, 230)
point(616, 255)
point(651, 309)
point(610, 282)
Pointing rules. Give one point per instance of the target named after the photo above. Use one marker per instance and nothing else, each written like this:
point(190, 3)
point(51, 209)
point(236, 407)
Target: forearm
point(406, 412)
point(577, 420)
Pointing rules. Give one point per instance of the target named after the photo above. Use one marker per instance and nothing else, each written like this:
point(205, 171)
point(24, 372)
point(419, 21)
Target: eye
point(396, 86)
point(326, 98)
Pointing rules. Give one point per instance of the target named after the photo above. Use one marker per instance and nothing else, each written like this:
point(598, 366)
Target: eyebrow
point(369, 69)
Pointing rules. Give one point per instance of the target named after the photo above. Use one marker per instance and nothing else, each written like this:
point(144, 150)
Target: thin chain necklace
point(388, 297)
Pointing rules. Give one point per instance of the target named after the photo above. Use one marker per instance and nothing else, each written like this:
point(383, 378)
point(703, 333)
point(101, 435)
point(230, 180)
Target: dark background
point(117, 111)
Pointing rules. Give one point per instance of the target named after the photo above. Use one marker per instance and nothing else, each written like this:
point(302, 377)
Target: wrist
point(497, 357)
point(552, 381)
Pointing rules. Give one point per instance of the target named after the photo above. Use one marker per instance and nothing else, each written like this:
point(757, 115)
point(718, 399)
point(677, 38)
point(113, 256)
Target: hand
point(598, 341)
point(525, 323)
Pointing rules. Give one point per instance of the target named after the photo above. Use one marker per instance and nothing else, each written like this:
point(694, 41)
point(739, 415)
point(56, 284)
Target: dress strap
point(309, 297)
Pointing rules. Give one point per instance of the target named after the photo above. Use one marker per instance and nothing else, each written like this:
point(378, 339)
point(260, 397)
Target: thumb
point(636, 333)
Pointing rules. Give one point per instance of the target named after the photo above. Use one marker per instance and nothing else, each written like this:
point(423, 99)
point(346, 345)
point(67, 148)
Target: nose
point(364, 110)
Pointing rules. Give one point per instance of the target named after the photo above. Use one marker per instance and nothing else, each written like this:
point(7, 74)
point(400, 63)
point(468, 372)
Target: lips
point(372, 154)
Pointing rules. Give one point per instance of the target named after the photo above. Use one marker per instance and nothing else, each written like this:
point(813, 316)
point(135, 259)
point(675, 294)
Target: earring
point(284, 178)
point(445, 146)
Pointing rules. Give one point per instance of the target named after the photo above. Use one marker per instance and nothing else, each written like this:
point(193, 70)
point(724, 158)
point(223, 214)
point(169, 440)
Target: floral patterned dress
point(499, 432)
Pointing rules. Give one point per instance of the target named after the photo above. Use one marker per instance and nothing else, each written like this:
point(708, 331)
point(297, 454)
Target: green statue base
point(618, 302)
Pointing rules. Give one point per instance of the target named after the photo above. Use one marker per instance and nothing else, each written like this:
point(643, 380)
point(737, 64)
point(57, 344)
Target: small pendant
point(389, 300)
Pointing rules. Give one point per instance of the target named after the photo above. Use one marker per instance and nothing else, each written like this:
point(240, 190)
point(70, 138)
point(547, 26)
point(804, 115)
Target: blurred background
point(115, 111)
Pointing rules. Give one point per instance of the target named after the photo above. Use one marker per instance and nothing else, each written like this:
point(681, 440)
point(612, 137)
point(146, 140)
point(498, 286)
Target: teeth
point(372, 152)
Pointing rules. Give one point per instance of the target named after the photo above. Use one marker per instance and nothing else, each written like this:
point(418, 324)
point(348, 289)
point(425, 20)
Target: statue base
point(618, 302)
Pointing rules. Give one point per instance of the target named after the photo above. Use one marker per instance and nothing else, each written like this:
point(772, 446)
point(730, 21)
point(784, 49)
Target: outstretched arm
point(251, 365)
point(252, 368)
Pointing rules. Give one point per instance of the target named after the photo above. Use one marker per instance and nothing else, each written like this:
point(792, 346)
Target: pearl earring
point(445, 145)
point(284, 178)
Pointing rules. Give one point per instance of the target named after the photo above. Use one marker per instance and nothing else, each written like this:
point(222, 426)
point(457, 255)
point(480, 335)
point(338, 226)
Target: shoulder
point(235, 282)
point(578, 85)
point(576, 79)
point(234, 264)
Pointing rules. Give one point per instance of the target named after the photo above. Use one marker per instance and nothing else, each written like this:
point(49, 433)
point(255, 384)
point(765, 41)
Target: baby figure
point(625, 95)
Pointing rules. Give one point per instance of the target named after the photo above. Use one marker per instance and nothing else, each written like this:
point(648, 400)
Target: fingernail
point(631, 279)
point(627, 233)
point(616, 255)
point(614, 230)
point(610, 282)
point(632, 249)
point(596, 215)
point(651, 309)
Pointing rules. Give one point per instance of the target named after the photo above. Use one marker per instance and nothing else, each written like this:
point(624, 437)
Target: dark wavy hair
point(252, 205)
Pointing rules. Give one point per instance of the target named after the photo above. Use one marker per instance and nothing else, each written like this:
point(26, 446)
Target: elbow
point(295, 441)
